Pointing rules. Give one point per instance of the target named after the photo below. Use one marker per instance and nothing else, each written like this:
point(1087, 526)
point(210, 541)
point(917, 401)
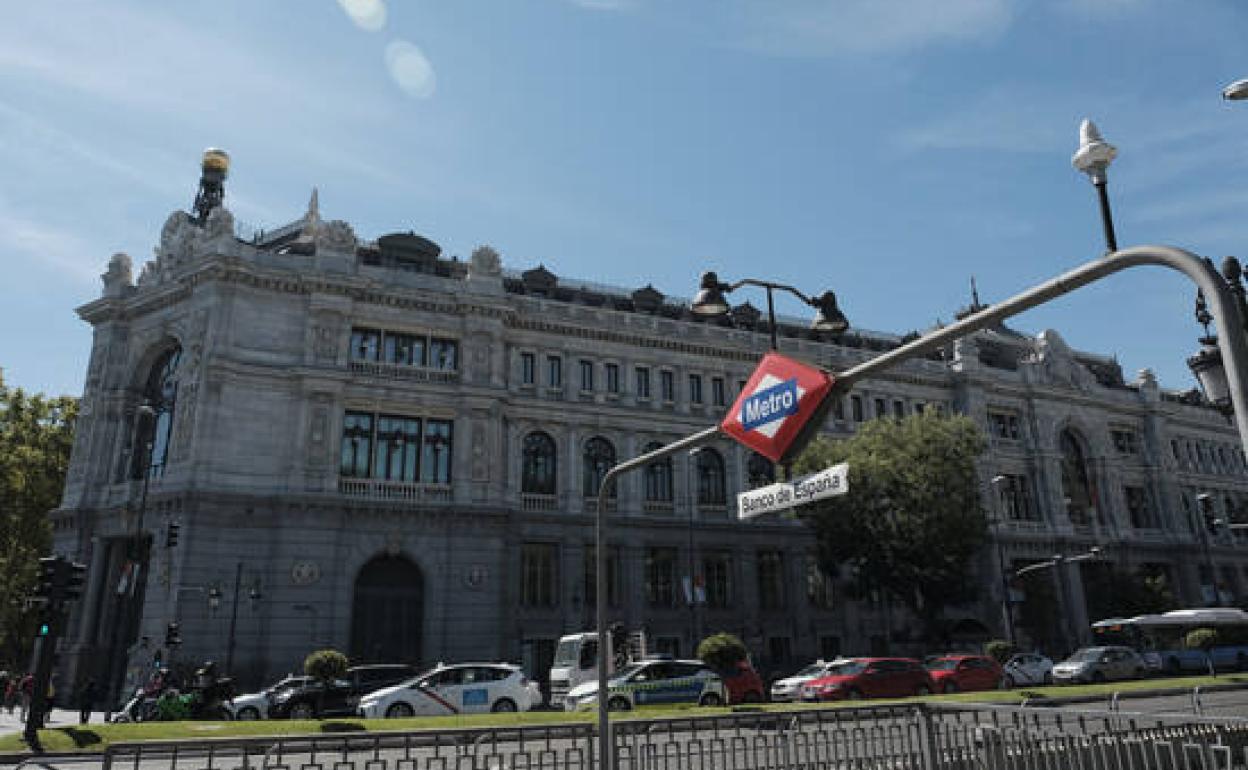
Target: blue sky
point(887, 149)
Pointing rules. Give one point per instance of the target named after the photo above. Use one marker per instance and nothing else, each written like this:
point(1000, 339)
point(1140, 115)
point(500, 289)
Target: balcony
point(401, 491)
point(590, 504)
point(403, 371)
point(658, 506)
point(532, 502)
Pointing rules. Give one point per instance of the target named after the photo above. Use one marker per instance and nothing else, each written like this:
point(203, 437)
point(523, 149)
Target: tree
point(324, 666)
point(36, 434)
point(1000, 650)
point(912, 521)
point(1112, 593)
point(722, 651)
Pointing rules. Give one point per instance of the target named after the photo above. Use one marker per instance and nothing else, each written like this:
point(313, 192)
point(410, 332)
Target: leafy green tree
point(999, 650)
point(36, 434)
point(722, 651)
point(1112, 593)
point(325, 666)
point(911, 522)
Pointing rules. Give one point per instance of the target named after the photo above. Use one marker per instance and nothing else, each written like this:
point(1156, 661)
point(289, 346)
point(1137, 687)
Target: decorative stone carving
point(480, 463)
point(220, 224)
point(305, 573)
point(394, 542)
point(1057, 365)
point(318, 429)
point(176, 238)
point(485, 263)
point(335, 237)
point(119, 275)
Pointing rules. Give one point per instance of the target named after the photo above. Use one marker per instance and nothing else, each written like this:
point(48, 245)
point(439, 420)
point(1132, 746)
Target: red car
point(954, 673)
point(856, 678)
point(743, 683)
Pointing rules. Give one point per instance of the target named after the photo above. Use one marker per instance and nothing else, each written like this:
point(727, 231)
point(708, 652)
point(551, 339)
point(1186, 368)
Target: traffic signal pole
point(60, 581)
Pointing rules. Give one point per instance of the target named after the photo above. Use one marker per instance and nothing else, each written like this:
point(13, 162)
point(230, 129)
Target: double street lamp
point(1055, 563)
point(710, 302)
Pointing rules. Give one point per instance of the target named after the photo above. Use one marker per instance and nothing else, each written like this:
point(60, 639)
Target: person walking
point(25, 691)
point(86, 701)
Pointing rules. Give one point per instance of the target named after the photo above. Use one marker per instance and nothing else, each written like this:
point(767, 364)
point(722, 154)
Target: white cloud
point(410, 69)
point(368, 15)
point(847, 27)
point(1006, 119)
point(70, 256)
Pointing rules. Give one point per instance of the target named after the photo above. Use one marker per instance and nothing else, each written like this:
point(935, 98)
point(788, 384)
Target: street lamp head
point(1205, 500)
point(1094, 154)
point(999, 479)
point(1237, 91)
point(1211, 374)
point(1095, 551)
point(710, 301)
point(829, 318)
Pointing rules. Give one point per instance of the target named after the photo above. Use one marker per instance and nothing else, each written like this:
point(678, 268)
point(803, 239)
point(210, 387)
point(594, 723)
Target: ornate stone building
point(369, 446)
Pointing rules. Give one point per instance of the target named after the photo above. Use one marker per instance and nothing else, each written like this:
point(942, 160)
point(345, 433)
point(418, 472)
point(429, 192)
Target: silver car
point(1100, 664)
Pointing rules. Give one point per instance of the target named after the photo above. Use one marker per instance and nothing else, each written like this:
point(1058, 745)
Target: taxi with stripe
point(460, 688)
point(653, 682)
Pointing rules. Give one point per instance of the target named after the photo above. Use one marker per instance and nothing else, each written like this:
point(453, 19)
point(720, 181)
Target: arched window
point(537, 477)
point(658, 477)
point(161, 394)
point(1076, 486)
point(760, 470)
point(710, 478)
point(599, 458)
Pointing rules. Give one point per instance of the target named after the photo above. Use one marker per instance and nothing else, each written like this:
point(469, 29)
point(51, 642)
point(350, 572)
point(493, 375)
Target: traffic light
point(171, 535)
point(49, 570)
point(45, 628)
point(173, 636)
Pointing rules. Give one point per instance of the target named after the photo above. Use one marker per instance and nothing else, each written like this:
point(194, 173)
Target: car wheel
point(504, 705)
point(400, 711)
point(1098, 677)
point(949, 688)
point(1006, 683)
point(1048, 677)
point(618, 704)
point(302, 711)
point(853, 694)
point(710, 699)
point(1241, 662)
point(1173, 667)
point(925, 690)
point(247, 714)
point(753, 696)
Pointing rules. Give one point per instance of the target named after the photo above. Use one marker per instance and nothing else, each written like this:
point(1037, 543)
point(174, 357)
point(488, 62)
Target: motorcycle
point(204, 699)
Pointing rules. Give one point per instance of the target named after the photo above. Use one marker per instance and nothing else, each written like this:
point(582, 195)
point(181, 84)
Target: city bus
point(1159, 638)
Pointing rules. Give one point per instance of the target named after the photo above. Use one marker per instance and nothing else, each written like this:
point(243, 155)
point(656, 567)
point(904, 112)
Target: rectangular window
point(1004, 425)
point(554, 372)
point(643, 383)
point(1138, 509)
point(838, 408)
point(881, 408)
point(667, 382)
point(718, 395)
point(770, 580)
point(435, 461)
point(717, 579)
point(899, 409)
point(855, 403)
point(591, 576)
point(661, 577)
point(404, 350)
point(539, 574)
point(1125, 441)
point(398, 449)
point(357, 437)
point(613, 378)
point(365, 344)
point(528, 369)
point(819, 586)
point(919, 407)
point(1016, 498)
point(443, 354)
point(1174, 450)
point(695, 389)
point(587, 375)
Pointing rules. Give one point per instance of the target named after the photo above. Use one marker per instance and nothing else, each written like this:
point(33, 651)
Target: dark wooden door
point(388, 612)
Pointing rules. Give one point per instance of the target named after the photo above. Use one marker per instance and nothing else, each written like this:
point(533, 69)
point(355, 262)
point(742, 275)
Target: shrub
point(999, 650)
point(325, 665)
point(722, 651)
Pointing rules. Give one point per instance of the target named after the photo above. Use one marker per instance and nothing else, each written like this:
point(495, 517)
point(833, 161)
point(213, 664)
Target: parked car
point(1028, 668)
point(461, 688)
point(743, 683)
point(965, 673)
point(255, 705)
point(653, 681)
point(790, 687)
point(314, 699)
point(1100, 664)
point(856, 678)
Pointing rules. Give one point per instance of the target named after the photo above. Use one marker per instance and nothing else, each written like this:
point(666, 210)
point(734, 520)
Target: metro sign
point(780, 408)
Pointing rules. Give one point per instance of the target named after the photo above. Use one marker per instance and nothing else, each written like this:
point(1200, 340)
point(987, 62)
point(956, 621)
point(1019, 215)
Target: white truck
point(576, 659)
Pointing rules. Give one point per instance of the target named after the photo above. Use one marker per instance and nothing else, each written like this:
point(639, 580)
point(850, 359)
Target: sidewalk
point(9, 723)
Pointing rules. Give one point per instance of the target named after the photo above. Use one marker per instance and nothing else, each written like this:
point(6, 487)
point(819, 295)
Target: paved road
point(10, 722)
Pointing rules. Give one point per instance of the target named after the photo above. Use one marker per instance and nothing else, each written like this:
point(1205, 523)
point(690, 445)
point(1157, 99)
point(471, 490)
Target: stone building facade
point(368, 446)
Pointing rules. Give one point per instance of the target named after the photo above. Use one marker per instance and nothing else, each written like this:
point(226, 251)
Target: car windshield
point(628, 670)
point(287, 684)
point(565, 654)
point(942, 664)
point(814, 669)
point(846, 668)
point(1084, 655)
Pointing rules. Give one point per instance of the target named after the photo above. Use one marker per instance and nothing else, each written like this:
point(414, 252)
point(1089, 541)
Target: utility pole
point(60, 581)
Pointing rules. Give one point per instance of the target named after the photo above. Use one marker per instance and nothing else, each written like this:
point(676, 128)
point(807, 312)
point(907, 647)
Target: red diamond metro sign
point(780, 408)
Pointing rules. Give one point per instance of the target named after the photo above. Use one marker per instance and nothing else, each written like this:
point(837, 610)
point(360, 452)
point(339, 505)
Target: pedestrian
point(86, 700)
point(25, 691)
point(10, 694)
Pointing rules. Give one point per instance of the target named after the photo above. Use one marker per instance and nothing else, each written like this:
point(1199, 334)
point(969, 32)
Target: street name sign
point(780, 408)
point(828, 482)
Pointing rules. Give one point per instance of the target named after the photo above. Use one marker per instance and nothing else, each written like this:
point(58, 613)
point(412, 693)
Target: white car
point(790, 688)
point(1028, 668)
point(255, 705)
point(461, 688)
point(652, 682)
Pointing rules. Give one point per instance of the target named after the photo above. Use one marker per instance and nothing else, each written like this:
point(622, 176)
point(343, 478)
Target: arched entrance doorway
point(388, 611)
